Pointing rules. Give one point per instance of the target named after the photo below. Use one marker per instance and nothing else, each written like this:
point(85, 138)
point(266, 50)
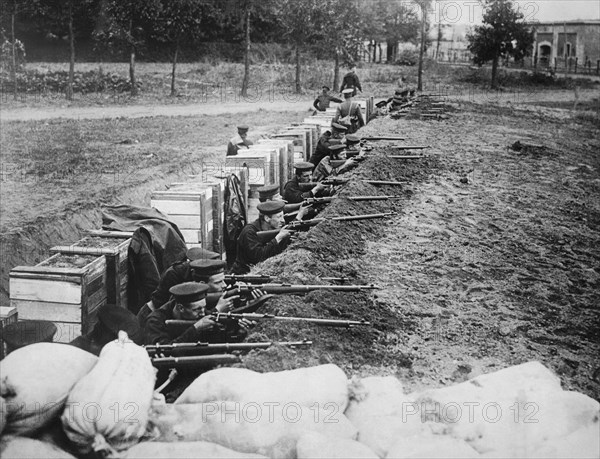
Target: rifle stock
point(383, 138)
point(196, 361)
point(248, 278)
point(280, 289)
point(200, 348)
point(311, 320)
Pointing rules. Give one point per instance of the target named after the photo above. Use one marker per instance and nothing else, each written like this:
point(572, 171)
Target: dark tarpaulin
point(235, 216)
point(155, 245)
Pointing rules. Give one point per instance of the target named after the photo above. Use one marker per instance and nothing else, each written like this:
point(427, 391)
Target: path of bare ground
point(492, 261)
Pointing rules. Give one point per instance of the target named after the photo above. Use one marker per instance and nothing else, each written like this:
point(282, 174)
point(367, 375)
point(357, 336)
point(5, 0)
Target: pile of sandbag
point(106, 406)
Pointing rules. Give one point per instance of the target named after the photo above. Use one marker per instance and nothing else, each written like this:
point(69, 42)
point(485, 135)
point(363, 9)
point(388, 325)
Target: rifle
point(266, 236)
point(201, 348)
point(196, 361)
point(358, 157)
point(247, 278)
point(383, 138)
point(409, 147)
point(228, 316)
point(280, 289)
point(328, 199)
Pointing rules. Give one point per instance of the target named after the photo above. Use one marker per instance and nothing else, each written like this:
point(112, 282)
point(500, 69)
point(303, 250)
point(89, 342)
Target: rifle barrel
point(315, 321)
point(219, 348)
point(383, 138)
point(409, 147)
point(384, 182)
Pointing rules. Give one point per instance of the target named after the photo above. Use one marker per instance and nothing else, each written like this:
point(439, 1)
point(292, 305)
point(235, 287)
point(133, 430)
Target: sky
point(469, 11)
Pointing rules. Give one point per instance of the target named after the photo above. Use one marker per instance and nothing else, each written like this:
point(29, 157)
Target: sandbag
point(314, 445)
point(107, 410)
point(2, 414)
point(185, 450)
point(320, 386)
point(35, 381)
point(583, 443)
point(270, 430)
point(375, 396)
point(28, 448)
point(430, 447)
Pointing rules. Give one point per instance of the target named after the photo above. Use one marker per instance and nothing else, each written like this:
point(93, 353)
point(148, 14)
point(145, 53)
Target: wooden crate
point(8, 315)
point(64, 289)
point(315, 133)
point(286, 158)
point(322, 121)
point(298, 137)
point(261, 166)
point(113, 245)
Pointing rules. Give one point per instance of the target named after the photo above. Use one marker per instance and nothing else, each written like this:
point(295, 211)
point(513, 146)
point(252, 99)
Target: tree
point(298, 19)
point(181, 21)
point(503, 34)
point(341, 31)
point(424, 6)
point(130, 21)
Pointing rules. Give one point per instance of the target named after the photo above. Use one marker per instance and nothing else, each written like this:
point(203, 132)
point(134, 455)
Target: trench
point(31, 243)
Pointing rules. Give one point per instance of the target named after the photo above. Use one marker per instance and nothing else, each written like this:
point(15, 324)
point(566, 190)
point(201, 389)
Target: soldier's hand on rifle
point(303, 211)
point(226, 304)
point(283, 234)
point(246, 324)
point(205, 324)
point(318, 188)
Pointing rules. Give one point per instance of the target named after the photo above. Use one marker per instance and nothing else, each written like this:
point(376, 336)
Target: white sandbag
point(271, 430)
point(583, 443)
point(528, 424)
point(28, 448)
point(185, 450)
point(375, 396)
point(380, 432)
point(320, 386)
point(430, 447)
point(2, 414)
point(315, 445)
point(35, 381)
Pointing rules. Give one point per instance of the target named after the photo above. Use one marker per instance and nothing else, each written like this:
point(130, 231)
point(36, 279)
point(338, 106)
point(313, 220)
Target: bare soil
point(491, 259)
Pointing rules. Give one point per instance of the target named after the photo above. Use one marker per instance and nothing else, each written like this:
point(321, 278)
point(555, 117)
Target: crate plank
point(45, 290)
point(176, 207)
point(45, 310)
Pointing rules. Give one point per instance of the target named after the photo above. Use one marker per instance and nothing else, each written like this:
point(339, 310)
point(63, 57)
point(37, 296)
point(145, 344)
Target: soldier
point(292, 192)
point(353, 143)
point(239, 141)
point(188, 303)
point(351, 81)
point(269, 193)
point(250, 250)
point(322, 101)
point(174, 275)
point(333, 136)
point(349, 113)
point(335, 164)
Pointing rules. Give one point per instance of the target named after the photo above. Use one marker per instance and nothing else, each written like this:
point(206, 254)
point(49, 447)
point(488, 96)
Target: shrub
point(407, 57)
point(6, 56)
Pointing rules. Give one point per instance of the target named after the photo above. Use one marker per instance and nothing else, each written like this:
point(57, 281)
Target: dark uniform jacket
point(251, 251)
point(322, 102)
point(322, 148)
point(156, 331)
point(292, 192)
point(350, 81)
point(174, 275)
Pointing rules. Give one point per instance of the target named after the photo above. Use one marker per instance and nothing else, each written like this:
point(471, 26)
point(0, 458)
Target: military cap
point(397, 100)
point(326, 87)
point(268, 191)
point(198, 253)
point(271, 207)
point(398, 91)
point(208, 267)
point(337, 148)
point(304, 166)
point(189, 292)
point(115, 318)
point(351, 139)
point(242, 127)
point(348, 91)
point(338, 127)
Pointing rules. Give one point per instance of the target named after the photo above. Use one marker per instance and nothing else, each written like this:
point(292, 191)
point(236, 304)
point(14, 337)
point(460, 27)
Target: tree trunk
point(298, 68)
point(336, 71)
point(132, 62)
point(69, 93)
point(439, 37)
point(422, 49)
point(380, 53)
point(174, 68)
point(246, 80)
point(495, 73)
point(14, 51)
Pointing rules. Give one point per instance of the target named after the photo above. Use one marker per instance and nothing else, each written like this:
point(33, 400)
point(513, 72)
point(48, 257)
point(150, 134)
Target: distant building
point(571, 39)
point(448, 43)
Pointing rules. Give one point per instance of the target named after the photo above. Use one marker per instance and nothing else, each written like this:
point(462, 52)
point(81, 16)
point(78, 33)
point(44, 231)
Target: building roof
point(562, 23)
